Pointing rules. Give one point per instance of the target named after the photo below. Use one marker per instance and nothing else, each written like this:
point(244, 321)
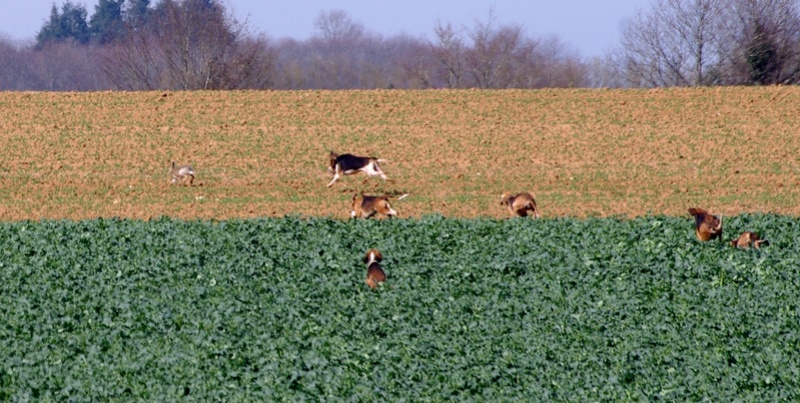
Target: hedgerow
point(473, 309)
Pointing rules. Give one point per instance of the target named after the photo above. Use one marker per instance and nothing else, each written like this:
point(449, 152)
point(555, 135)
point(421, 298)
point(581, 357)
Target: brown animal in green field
point(375, 273)
point(520, 204)
point(748, 239)
point(706, 226)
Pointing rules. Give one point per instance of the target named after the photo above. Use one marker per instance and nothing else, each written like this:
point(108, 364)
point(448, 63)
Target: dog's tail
point(396, 195)
point(381, 160)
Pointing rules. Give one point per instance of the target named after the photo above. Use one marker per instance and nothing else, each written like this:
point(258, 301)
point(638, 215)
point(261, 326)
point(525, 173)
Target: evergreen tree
point(73, 21)
point(762, 56)
point(51, 31)
point(106, 24)
point(69, 24)
point(137, 12)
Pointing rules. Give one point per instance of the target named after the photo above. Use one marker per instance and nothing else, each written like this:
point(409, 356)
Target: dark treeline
point(198, 44)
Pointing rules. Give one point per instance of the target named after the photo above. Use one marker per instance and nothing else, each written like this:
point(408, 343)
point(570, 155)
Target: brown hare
point(182, 174)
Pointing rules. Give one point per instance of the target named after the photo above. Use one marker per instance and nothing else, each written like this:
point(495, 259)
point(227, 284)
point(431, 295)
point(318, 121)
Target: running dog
point(368, 206)
point(348, 164)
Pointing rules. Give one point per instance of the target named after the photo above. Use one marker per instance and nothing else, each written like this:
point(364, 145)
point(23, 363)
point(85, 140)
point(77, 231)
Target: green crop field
point(276, 309)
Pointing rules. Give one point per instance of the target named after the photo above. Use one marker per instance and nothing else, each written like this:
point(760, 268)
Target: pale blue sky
point(589, 26)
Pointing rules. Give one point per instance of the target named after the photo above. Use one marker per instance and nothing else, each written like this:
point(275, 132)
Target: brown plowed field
point(581, 152)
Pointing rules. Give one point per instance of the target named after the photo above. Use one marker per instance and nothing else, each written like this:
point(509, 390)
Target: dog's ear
point(697, 211)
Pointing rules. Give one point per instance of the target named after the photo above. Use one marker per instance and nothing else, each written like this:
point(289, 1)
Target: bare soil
point(589, 152)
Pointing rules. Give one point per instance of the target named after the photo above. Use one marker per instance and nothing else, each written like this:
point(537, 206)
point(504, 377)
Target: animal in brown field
point(520, 204)
point(375, 273)
point(182, 174)
point(706, 226)
point(367, 206)
point(348, 164)
point(748, 239)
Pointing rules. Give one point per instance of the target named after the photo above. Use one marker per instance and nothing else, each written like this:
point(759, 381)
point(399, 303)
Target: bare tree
point(194, 36)
point(54, 66)
point(493, 50)
point(337, 26)
point(603, 72)
point(765, 42)
point(415, 64)
point(196, 44)
point(401, 51)
point(133, 62)
point(338, 51)
point(188, 45)
point(290, 64)
point(449, 51)
point(250, 65)
point(712, 42)
point(66, 66)
point(553, 64)
point(341, 55)
point(11, 65)
point(677, 43)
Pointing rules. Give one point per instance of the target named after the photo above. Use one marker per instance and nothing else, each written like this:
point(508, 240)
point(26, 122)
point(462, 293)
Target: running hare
point(181, 173)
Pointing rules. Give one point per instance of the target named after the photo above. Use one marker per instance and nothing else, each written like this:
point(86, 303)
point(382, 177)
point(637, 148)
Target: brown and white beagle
point(520, 204)
point(706, 226)
point(748, 239)
point(367, 206)
point(375, 273)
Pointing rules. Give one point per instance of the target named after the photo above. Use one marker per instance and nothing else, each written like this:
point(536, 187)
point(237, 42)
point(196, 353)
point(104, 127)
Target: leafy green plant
point(473, 309)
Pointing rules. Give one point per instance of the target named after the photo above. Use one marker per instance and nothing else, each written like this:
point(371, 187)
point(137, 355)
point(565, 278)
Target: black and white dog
point(348, 164)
